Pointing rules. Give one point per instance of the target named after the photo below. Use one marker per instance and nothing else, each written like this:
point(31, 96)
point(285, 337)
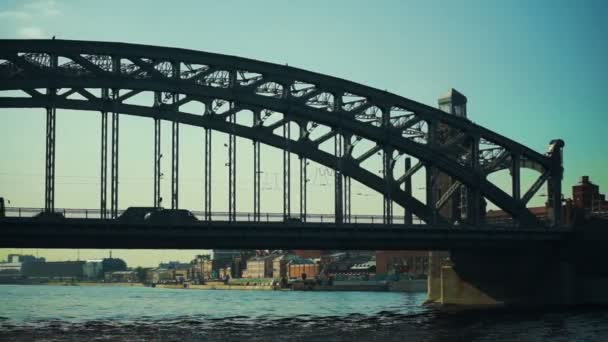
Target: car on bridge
point(137, 214)
point(292, 219)
point(171, 216)
point(49, 216)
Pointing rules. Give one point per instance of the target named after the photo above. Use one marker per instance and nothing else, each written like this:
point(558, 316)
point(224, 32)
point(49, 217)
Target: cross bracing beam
point(142, 68)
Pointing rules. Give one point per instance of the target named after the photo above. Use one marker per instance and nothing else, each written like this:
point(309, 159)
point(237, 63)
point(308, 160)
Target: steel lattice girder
point(272, 87)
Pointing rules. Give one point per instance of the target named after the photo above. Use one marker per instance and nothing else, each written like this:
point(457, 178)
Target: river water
point(75, 313)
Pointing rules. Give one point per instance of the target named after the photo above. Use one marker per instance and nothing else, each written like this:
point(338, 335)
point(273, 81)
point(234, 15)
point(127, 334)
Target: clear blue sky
point(532, 70)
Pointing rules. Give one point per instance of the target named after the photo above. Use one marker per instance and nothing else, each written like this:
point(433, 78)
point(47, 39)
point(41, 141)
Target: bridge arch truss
point(103, 77)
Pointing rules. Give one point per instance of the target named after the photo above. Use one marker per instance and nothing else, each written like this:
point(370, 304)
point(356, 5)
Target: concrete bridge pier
point(483, 277)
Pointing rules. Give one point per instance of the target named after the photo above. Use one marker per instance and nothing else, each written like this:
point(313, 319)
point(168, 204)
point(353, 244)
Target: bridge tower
point(455, 103)
point(454, 208)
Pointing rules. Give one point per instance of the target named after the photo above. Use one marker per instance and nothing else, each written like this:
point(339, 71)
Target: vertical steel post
point(407, 187)
point(256, 169)
point(207, 175)
point(174, 165)
point(303, 188)
point(256, 180)
point(114, 147)
point(49, 196)
point(516, 176)
point(338, 185)
point(387, 156)
point(473, 196)
point(431, 175)
point(286, 172)
point(175, 143)
point(516, 180)
point(232, 154)
point(114, 161)
point(232, 168)
point(346, 150)
point(157, 154)
point(49, 189)
point(347, 199)
point(338, 153)
point(104, 156)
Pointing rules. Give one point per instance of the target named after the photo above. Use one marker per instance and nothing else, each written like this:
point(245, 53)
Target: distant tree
point(113, 264)
point(141, 274)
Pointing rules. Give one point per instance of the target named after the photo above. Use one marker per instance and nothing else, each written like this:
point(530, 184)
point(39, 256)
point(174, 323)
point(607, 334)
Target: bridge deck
point(96, 233)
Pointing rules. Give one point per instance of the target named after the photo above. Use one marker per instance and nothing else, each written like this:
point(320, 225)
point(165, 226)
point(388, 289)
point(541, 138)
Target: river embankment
point(416, 285)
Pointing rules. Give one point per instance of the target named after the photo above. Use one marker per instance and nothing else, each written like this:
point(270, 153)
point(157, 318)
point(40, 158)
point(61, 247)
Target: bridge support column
point(528, 277)
point(434, 278)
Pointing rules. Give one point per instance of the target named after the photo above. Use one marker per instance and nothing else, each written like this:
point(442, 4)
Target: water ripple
point(127, 314)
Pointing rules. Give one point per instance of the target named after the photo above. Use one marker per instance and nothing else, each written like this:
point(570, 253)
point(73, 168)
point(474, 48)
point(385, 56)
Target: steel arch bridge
point(104, 76)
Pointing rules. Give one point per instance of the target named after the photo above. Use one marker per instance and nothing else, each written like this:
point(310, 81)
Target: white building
point(92, 269)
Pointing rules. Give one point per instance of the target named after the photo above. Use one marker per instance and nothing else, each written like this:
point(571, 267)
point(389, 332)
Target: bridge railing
point(79, 213)
point(215, 216)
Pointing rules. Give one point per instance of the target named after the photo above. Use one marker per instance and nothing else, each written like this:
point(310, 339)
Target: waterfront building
point(366, 267)
point(93, 269)
point(225, 272)
point(161, 275)
point(173, 265)
point(280, 265)
point(121, 277)
point(54, 269)
point(303, 268)
point(587, 196)
point(259, 267)
point(202, 268)
point(414, 263)
point(307, 254)
point(15, 261)
point(586, 201)
point(182, 275)
point(345, 264)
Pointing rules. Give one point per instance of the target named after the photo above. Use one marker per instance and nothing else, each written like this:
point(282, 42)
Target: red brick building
point(586, 195)
point(307, 254)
